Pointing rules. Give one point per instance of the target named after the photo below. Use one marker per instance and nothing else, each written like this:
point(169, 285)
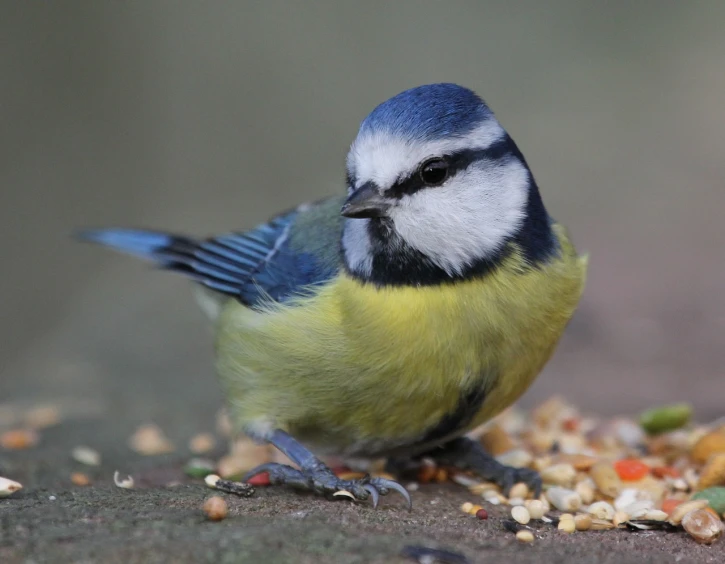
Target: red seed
point(482, 514)
point(631, 469)
point(259, 480)
point(18, 439)
point(427, 473)
point(665, 472)
point(570, 424)
point(669, 504)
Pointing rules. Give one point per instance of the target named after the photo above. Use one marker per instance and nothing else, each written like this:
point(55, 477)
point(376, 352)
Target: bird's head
point(436, 186)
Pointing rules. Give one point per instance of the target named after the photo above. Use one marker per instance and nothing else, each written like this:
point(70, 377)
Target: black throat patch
point(396, 263)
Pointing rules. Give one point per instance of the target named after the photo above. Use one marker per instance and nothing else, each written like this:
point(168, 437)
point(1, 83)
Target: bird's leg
point(467, 454)
point(315, 476)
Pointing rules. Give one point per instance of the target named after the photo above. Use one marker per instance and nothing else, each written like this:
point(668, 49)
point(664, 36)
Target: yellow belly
point(360, 369)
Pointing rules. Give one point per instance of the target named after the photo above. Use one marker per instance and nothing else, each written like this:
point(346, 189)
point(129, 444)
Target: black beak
point(364, 202)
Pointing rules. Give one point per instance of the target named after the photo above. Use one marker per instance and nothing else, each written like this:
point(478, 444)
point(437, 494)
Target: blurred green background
point(202, 117)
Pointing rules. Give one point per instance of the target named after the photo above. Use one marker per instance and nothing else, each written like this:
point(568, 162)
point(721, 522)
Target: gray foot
point(320, 479)
point(467, 454)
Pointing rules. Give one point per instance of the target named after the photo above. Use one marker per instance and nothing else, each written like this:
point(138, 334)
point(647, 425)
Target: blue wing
point(265, 262)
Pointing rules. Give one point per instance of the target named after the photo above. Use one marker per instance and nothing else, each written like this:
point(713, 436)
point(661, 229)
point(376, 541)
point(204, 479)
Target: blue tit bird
point(389, 321)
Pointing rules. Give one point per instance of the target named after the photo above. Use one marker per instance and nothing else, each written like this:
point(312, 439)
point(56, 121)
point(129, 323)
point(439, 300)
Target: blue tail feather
point(200, 260)
point(251, 266)
point(143, 244)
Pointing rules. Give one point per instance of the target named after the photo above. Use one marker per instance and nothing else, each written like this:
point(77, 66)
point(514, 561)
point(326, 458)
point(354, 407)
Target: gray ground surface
point(156, 522)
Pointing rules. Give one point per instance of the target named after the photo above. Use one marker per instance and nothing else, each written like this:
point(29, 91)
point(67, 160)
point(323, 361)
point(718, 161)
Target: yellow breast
point(361, 368)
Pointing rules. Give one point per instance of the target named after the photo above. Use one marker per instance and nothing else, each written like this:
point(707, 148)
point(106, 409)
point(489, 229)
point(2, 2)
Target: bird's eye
point(433, 172)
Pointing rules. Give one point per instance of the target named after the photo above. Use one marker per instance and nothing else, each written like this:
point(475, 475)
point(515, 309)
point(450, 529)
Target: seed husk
point(583, 522)
point(496, 441)
point(559, 475)
point(606, 479)
point(638, 509)
point(620, 517)
point(580, 462)
point(9, 487)
point(679, 512)
point(482, 487)
point(709, 444)
point(520, 514)
point(493, 497)
point(519, 490)
point(512, 526)
point(564, 499)
point(703, 526)
point(586, 490)
point(566, 525)
point(655, 515)
point(713, 473)
point(86, 455)
point(125, 483)
point(237, 488)
point(536, 508)
point(516, 458)
point(601, 510)
point(601, 525)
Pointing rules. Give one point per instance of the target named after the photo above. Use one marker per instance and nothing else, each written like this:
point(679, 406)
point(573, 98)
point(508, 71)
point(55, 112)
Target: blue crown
point(428, 112)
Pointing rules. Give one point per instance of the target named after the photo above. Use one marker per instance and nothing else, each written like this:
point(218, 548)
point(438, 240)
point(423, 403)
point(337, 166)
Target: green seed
point(199, 468)
point(715, 497)
point(665, 418)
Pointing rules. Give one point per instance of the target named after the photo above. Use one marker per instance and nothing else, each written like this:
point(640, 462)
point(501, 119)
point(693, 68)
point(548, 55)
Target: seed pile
point(660, 472)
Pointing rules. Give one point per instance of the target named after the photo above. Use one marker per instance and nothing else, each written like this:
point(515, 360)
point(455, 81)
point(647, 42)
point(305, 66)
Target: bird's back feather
point(274, 261)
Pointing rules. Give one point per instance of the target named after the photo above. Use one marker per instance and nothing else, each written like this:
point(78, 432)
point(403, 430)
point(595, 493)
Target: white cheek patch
point(357, 246)
point(469, 217)
point(384, 158)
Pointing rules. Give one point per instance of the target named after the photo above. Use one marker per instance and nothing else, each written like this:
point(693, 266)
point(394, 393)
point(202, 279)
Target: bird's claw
point(383, 486)
point(320, 479)
point(467, 454)
point(373, 493)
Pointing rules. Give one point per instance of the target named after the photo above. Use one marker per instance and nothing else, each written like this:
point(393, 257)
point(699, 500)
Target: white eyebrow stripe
point(383, 158)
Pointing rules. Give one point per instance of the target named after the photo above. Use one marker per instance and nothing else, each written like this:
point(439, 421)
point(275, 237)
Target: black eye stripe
point(457, 162)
